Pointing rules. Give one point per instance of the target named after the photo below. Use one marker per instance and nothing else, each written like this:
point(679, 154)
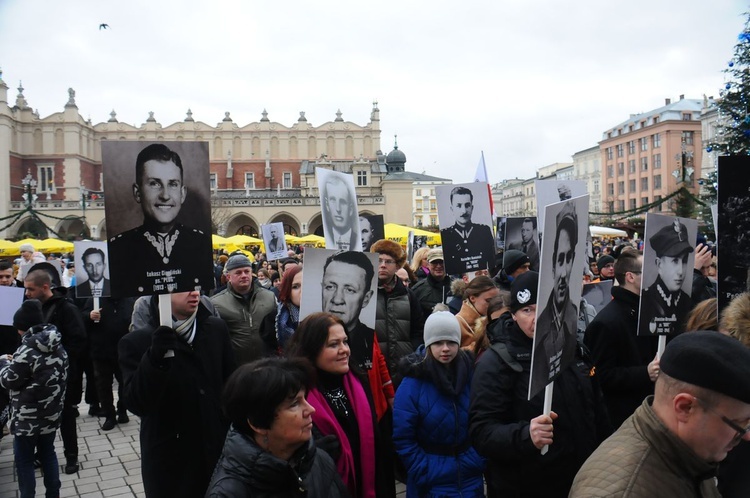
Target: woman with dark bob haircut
point(269, 449)
point(344, 421)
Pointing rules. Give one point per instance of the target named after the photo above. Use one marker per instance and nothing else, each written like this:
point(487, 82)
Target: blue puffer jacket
point(430, 428)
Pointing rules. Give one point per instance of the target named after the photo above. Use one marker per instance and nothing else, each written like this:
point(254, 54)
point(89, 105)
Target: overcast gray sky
point(529, 82)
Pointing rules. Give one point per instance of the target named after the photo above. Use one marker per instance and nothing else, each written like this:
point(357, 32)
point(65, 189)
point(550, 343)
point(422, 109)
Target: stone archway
point(315, 225)
point(242, 224)
point(73, 228)
point(31, 227)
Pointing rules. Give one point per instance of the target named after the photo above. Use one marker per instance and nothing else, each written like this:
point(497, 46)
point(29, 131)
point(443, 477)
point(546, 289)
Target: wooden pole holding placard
point(661, 346)
point(547, 408)
point(96, 307)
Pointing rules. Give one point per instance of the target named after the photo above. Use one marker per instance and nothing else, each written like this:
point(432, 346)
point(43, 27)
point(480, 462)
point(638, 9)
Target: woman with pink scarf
point(344, 421)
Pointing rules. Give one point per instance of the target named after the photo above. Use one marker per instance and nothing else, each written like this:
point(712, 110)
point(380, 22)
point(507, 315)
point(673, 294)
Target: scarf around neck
point(185, 328)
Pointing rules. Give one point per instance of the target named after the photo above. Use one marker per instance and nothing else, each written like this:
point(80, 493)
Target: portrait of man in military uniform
point(468, 246)
point(669, 254)
point(561, 279)
point(161, 254)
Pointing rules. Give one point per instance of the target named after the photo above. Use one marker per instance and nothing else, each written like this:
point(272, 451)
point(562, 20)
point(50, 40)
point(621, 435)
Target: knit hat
point(28, 315)
point(237, 261)
point(26, 247)
point(710, 360)
point(392, 249)
point(513, 260)
point(441, 326)
point(435, 255)
point(604, 261)
point(524, 290)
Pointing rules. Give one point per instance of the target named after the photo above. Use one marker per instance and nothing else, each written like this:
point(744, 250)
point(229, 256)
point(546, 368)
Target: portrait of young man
point(521, 235)
point(669, 256)
point(468, 243)
point(154, 252)
point(91, 272)
point(338, 204)
point(563, 255)
point(371, 230)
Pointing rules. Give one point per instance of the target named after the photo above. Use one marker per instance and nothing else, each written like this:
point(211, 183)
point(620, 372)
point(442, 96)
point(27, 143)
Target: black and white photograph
point(158, 217)
point(553, 191)
point(11, 299)
point(598, 294)
point(92, 269)
point(521, 234)
point(733, 226)
point(338, 204)
point(667, 279)
point(465, 227)
point(345, 284)
point(372, 229)
point(273, 240)
point(500, 233)
point(560, 285)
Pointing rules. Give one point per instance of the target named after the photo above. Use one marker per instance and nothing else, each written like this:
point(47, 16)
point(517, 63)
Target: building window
point(610, 189)
point(657, 183)
point(686, 116)
point(644, 144)
point(419, 205)
point(631, 147)
point(621, 205)
point(611, 206)
point(432, 193)
point(610, 171)
point(631, 186)
point(433, 205)
point(644, 201)
point(609, 152)
point(249, 180)
point(620, 169)
point(656, 140)
point(433, 221)
point(644, 164)
point(212, 181)
point(632, 204)
point(287, 179)
point(596, 186)
point(631, 166)
point(620, 150)
point(46, 177)
point(657, 198)
point(419, 192)
point(620, 187)
point(687, 137)
point(644, 184)
point(361, 178)
point(657, 161)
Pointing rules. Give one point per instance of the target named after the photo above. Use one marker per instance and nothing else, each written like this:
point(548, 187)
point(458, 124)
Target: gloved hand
point(162, 340)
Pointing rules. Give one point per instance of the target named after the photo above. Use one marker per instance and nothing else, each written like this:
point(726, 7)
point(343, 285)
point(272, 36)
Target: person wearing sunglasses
point(673, 443)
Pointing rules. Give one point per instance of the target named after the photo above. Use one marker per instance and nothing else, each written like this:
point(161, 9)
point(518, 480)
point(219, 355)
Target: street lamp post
point(29, 191)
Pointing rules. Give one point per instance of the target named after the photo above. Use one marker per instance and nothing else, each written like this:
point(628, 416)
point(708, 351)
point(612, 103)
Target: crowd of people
point(238, 396)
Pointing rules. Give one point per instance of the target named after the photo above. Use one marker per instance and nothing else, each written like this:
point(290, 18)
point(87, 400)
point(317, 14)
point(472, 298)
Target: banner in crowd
point(465, 227)
point(733, 260)
point(92, 269)
point(338, 204)
point(553, 191)
point(158, 214)
point(274, 241)
point(667, 278)
point(521, 235)
point(372, 229)
point(11, 299)
point(560, 284)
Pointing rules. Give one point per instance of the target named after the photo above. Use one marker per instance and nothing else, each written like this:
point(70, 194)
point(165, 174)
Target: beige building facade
point(261, 172)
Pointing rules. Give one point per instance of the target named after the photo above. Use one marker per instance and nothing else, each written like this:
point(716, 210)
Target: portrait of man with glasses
point(161, 255)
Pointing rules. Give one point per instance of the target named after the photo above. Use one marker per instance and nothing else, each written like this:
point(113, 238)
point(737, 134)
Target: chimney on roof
point(682, 97)
point(667, 101)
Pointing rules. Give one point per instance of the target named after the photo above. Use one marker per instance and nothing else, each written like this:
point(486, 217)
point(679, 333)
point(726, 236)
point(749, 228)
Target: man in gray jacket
point(243, 306)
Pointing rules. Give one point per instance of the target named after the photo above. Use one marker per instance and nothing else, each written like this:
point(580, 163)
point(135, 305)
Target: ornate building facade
point(261, 172)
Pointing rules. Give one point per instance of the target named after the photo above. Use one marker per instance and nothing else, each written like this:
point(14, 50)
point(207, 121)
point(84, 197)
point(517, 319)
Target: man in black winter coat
point(173, 377)
point(625, 363)
point(436, 287)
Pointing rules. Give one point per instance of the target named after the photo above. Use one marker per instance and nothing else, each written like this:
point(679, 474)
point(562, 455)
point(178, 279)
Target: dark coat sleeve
point(416, 321)
point(493, 429)
point(144, 384)
point(69, 321)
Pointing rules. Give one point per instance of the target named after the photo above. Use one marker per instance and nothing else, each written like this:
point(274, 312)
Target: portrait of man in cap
point(161, 254)
point(665, 300)
point(468, 245)
point(557, 323)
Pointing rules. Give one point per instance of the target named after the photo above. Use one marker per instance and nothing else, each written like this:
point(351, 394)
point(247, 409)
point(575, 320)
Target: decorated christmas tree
point(733, 127)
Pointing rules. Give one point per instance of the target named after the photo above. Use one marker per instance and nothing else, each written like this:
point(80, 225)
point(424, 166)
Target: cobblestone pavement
point(110, 462)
